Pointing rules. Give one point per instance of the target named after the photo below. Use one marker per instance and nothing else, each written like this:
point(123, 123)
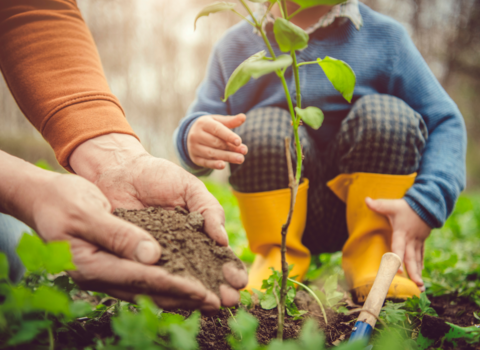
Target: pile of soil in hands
point(186, 249)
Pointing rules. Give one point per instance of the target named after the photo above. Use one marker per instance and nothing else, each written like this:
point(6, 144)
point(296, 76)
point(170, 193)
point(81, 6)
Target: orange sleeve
point(51, 65)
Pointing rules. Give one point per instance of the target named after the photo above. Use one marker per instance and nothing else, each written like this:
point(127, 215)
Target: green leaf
point(289, 36)
point(312, 116)
point(37, 256)
point(330, 284)
point(80, 308)
point(213, 8)
point(261, 1)
point(255, 66)
point(3, 267)
point(64, 283)
point(244, 329)
point(392, 312)
point(51, 300)
point(184, 336)
point(311, 3)
point(340, 75)
point(28, 331)
point(259, 68)
point(246, 299)
point(32, 252)
point(59, 257)
point(240, 75)
point(310, 337)
point(268, 301)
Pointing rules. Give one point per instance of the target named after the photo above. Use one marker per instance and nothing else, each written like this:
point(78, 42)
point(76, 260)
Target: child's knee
point(377, 119)
point(381, 134)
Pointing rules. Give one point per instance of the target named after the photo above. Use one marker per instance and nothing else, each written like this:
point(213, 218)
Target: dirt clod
point(186, 249)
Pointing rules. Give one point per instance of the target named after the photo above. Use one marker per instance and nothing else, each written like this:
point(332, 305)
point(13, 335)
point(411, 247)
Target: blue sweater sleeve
point(208, 101)
point(442, 173)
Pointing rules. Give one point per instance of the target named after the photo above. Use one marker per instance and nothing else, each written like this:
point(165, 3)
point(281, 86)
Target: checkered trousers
point(381, 134)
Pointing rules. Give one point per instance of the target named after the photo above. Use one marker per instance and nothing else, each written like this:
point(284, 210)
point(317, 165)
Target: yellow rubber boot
point(263, 214)
point(370, 234)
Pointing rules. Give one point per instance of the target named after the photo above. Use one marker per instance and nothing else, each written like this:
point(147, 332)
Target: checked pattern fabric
point(381, 134)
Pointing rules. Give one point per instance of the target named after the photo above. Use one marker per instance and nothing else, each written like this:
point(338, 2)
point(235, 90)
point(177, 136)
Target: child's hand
point(211, 143)
point(409, 234)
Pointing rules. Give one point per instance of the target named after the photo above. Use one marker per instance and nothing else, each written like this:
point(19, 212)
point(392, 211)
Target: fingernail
point(147, 252)
point(237, 142)
point(239, 159)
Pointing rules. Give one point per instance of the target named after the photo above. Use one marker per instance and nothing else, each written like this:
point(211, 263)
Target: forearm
point(20, 183)
point(52, 68)
point(441, 176)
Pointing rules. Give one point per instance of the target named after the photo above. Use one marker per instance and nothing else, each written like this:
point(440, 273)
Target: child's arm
point(441, 176)
point(203, 139)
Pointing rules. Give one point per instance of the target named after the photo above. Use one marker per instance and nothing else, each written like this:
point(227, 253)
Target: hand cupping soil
point(186, 250)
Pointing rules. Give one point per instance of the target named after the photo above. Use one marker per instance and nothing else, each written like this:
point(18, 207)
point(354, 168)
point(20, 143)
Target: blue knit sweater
point(385, 61)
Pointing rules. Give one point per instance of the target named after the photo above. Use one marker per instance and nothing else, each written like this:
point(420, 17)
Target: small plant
point(290, 38)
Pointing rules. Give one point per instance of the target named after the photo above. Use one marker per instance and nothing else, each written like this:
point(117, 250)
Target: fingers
point(201, 152)
point(382, 206)
point(122, 238)
point(237, 278)
point(412, 265)
point(199, 199)
point(230, 297)
point(216, 126)
point(98, 269)
point(231, 122)
point(398, 245)
point(211, 141)
point(209, 306)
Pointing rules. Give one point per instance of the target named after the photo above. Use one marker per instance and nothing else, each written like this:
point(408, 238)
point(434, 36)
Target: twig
point(293, 194)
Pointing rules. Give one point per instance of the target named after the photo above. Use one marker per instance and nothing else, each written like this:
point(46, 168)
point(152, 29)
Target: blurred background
point(154, 61)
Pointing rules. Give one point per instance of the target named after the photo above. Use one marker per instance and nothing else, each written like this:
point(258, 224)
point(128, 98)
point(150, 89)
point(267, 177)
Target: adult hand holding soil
point(67, 207)
point(409, 234)
point(133, 179)
point(211, 143)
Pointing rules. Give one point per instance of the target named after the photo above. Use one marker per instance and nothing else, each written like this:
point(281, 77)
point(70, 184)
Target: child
point(380, 173)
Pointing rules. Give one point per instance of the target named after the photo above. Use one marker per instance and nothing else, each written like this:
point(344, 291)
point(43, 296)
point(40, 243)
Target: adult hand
point(409, 234)
point(68, 207)
point(131, 178)
point(211, 143)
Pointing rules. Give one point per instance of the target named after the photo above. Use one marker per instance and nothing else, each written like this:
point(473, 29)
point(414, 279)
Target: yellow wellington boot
point(263, 214)
point(370, 234)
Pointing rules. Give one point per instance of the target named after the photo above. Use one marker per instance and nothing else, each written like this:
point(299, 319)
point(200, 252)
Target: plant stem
point(314, 296)
point(294, 181)
point(242, 16)
point(296, 13)
point(297, 78)
point(51, 339)
point(293, 194)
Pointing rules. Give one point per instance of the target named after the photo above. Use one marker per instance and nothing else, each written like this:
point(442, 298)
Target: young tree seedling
point(290, 38)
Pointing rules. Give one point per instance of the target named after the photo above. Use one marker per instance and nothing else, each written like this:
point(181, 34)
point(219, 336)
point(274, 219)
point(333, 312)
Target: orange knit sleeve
point(51, 65)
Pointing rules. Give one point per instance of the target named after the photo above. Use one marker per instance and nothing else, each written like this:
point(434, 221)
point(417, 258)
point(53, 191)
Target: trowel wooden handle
point(388, 268)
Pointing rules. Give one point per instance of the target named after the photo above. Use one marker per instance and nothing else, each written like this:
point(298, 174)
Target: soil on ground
point(214, 330)
point(186, 249)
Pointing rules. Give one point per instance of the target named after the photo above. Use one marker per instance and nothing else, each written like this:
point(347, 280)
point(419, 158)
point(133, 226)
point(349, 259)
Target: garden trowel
point(371, 309)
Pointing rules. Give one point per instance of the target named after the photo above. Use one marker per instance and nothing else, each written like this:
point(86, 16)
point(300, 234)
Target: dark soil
point(214, 330)
point(186, 250)
point(458, 311)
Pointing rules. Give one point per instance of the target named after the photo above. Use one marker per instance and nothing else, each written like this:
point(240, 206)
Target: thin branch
point(266, 13)
point(293, 194)
point(305, 63)
point(242, 16)
point(296, 13)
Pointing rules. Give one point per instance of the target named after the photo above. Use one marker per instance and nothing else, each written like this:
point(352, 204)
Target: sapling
point(290, 38)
